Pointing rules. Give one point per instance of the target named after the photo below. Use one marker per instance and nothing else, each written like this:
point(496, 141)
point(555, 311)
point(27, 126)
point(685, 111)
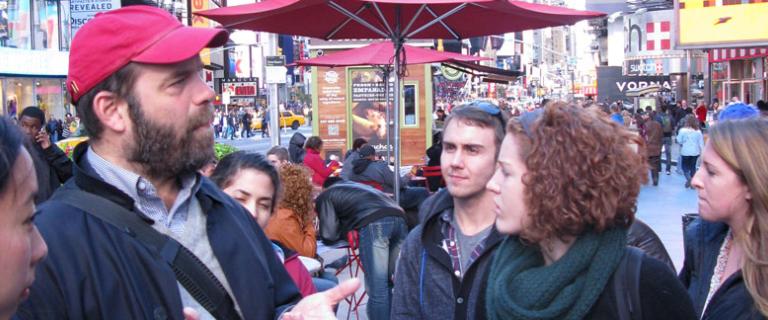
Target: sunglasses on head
point(490, 109)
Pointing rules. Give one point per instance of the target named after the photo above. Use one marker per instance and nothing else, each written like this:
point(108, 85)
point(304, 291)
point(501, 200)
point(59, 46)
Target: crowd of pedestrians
point(536, 219)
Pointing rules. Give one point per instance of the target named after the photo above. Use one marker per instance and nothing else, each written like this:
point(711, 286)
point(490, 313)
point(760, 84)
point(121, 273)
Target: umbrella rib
point(343, 24)
point(438, 19)
point(381, 16)
point(355, 17)
point(453, 33)
point(410, 24)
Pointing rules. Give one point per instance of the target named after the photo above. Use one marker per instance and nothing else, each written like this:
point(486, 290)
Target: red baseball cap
point(140, 33)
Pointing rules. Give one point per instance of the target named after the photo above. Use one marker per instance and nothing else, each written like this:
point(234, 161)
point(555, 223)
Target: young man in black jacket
point(443, 261)
point(51, 164)
point(345, 206)
point(148, 114)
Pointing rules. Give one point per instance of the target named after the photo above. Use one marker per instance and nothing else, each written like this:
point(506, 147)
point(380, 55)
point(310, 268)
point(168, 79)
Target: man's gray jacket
point(425, 284)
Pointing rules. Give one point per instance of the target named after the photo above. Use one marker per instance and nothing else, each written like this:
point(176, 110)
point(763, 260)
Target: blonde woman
point(726, 250)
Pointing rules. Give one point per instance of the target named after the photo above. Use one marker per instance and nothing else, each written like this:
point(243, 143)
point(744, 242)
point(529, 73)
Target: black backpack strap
point(196, 278)
point(626, 285)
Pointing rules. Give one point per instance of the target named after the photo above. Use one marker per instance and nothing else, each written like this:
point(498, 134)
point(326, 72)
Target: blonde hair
point(743, 144)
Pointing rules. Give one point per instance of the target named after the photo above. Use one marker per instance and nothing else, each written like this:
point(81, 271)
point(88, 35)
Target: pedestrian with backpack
point(566, 214)
point(668, 128)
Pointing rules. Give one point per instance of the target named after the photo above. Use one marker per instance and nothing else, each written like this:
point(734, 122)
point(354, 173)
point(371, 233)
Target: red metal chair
point(373, 184)
point(354, 267)
point(432, 172)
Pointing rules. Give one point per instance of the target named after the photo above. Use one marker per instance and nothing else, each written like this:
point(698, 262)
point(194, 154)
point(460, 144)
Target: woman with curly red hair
point(293, 226)
point(570, 179)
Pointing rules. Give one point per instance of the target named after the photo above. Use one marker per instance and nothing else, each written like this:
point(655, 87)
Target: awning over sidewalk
point(721, 55)
point(492, 74)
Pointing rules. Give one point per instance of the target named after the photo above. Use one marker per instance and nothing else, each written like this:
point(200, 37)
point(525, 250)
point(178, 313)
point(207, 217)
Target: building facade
point(34, 41)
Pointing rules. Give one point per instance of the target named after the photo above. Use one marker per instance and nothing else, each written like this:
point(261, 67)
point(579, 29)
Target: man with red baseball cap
point(138, 233)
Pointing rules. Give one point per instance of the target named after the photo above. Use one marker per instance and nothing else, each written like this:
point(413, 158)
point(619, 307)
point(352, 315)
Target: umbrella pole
point(398, 44)
point(386, 70)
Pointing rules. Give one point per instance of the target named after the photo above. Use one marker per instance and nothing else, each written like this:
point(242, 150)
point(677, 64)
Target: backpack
point(626, 285)
point(666, 123)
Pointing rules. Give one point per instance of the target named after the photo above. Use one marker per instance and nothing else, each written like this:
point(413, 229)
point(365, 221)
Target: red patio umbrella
point(394, 19)
point(397, 20)
point(380, 54)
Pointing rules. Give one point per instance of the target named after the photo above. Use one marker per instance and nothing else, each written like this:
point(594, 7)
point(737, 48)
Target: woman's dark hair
point(358, 143)
point(314, 143)
point(10, 147)
point(233, 163)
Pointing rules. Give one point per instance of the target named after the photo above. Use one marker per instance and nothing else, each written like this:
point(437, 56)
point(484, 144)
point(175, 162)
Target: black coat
point(96, 271)
point(348, 206)
point(732, 300)
point(296, 148)
point(52, 168)
point(642, 237)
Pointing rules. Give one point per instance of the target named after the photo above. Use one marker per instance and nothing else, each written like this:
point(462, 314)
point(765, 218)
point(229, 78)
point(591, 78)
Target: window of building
point(410, 105)
point(20, 94)
point(720, 71)
point(46, 25)
point(50, 96)
point(15, 31)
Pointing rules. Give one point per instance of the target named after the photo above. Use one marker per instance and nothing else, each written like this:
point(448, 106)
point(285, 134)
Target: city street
point(259, 144)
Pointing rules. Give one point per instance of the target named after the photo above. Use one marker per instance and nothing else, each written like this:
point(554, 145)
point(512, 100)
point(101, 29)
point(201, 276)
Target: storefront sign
point(83, 10)
point(275, 61)
point(644, 67)
point(612, 85)
point(240, 87)
point(34, 62)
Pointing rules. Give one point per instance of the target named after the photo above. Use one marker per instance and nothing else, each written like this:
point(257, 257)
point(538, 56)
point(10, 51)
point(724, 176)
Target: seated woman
point(22, 247)
point(313, 161)
point(570, 179)
point(293, 226)
point(726, 249)
point(253, 182)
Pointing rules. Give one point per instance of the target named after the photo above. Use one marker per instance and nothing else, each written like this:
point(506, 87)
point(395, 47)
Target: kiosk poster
point(331, 109)
point(369, 107)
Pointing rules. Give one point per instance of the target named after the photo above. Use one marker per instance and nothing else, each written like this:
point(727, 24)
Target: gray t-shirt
point(467, 244)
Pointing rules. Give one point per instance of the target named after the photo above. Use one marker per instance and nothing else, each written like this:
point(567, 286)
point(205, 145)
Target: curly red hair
point(297, 191)
point(583, 172)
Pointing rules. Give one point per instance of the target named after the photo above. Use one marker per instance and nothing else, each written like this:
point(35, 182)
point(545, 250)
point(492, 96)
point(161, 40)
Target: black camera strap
point(199, 281)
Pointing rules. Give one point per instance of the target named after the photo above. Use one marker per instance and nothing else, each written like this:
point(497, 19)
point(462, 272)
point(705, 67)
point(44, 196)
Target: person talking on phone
point(52, 166)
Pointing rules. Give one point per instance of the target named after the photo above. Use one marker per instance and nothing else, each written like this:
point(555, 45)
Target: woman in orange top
point(292, 225)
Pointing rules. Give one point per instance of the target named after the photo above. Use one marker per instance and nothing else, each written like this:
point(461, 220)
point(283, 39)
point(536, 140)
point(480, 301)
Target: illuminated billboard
point(721, 23)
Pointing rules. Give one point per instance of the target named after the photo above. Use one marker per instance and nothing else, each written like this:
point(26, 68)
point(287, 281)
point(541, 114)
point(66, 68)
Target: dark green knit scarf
point(521, 287)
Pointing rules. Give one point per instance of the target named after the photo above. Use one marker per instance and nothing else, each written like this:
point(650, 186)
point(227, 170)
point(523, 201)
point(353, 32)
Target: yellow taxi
point(287, 119)
point(69, 144)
